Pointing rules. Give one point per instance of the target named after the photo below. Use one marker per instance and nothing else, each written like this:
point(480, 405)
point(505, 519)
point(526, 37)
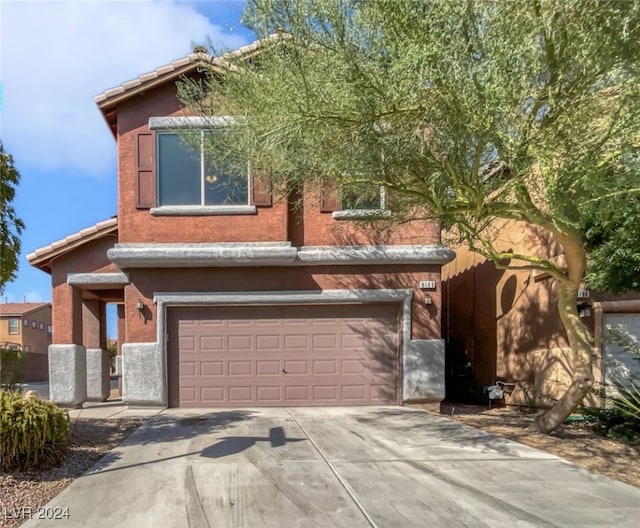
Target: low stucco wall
point(143, 374)
point(423, 370)
point(98, 374)
point(68, 375)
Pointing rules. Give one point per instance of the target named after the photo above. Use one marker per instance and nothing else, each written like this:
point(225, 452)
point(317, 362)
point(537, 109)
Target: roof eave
point(41, 258)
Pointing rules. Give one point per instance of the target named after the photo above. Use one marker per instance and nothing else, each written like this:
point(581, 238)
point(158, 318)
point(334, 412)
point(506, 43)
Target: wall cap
point(177, 255)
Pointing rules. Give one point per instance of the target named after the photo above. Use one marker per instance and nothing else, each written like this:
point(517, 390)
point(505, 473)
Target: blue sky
point(55, 57)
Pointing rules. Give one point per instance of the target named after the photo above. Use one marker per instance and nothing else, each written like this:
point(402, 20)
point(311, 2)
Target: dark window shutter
point(146, 170)
point(329, 201)
point(260, 189)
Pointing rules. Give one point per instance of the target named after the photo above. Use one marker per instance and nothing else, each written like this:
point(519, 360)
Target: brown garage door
point(284, 355)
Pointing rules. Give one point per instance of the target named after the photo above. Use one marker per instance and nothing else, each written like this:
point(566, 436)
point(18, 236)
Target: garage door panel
point(268, 393)
point(268, 342)
point(211, 368)
point(212, 395)
point(267, 367)
point(214, 343)
point(188, 368)
point(353, 392)
point(240, 368)
point(187, 343)
point(286, 355)
point(296, 366)
point(325, 366)
point(296, 342)
point(296, 393)
point(240, 343)
point(188, 394)
point(241, 394)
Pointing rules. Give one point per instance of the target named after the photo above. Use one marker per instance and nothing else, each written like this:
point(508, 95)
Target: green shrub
point(620, 417)
point(615, 421)
point(34, 433)
point(12, 367)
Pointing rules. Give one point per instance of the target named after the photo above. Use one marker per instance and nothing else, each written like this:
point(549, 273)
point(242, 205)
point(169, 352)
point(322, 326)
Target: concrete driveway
point(335, 467)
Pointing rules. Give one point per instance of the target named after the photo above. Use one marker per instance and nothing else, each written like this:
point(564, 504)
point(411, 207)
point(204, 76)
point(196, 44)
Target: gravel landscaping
point(91, 439)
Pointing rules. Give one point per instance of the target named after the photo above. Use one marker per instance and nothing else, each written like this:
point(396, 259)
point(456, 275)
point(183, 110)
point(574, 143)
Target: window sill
point(199, 210)
point(354, 214)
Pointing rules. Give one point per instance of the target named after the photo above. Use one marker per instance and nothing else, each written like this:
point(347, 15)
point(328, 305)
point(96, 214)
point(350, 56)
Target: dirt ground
point(574, 442)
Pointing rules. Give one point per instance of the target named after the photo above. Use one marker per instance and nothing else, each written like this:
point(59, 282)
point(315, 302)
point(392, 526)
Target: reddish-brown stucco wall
point(144, 283)
point(66, 300)
point(138, 225)
point(506, 322)
point(276, 223)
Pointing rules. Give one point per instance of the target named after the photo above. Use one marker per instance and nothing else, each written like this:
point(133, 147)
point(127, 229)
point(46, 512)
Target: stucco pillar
point(67, 355)
point(120, 337)
point(121, 326)
point(95, 340)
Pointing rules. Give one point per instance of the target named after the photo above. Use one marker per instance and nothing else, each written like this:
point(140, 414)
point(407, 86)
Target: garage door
point(284, 355)
point(620, 365)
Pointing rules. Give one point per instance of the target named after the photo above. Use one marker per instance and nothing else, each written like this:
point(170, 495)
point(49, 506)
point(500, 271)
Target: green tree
point(612, 235)
point(10, 225)
point(468, 112)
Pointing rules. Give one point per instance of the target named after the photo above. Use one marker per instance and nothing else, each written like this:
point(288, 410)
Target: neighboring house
point(228, 296)
point(505, 325)
point(27, 327)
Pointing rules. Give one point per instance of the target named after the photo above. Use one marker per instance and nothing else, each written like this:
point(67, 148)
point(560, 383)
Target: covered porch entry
point(84, 281)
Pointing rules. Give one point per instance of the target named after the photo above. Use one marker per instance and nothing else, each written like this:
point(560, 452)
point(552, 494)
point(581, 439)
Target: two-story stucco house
point(230, 297)
point(27, 327)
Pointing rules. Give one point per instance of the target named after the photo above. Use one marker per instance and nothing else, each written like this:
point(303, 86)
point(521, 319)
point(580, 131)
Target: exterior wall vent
point(584, 294)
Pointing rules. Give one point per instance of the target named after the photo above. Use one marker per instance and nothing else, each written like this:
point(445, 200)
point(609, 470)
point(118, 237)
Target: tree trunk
point(579, 340)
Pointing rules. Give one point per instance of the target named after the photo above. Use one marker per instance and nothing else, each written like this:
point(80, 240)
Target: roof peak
point(176, 68)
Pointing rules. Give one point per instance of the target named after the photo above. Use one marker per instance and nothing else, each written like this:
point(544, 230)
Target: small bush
point(12, 367)
point(34, 433)
point(614, 423)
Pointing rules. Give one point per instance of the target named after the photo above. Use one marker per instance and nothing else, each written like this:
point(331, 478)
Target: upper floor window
point(25, 322)
point(187, 177)
point(362, 198)
point(354, 201)
point(14, 326)
point(42, 326)
point(34, 324)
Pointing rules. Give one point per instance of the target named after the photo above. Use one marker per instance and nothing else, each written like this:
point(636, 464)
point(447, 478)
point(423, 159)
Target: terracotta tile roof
point(40, 257)
point(174, 70)
point(20, 309)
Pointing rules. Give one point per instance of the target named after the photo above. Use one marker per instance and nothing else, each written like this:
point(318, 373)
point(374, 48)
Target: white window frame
point(16, 326)
point(168, 125)
point(381, 212)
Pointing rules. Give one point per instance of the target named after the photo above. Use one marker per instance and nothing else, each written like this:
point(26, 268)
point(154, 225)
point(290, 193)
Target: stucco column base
point(68, 375)
point(423, 369)
point(98, 374)
point(143, 375)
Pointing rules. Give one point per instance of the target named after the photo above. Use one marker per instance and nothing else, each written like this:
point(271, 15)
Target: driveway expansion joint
point(342, 482)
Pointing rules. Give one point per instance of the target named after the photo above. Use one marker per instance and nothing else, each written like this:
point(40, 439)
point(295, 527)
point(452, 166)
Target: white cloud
point(56, 56)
